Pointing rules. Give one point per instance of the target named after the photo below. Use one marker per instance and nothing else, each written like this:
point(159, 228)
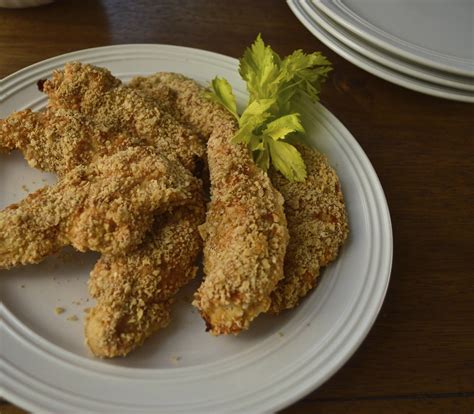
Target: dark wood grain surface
point(419, 356)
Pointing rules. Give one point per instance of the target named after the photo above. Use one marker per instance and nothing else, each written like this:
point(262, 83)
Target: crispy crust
point(315, 210)
point(58, 140)
point(75, 130)
point(105, 206)
point(134, 292)
point(317, 222)
point(92, 114)
point(128, 288)
point(183, 98)
point(116, 108)
point(245, 237)
point(245, 232)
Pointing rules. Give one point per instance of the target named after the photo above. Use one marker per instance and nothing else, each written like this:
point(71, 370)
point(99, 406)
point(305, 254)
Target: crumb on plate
point(58, 310)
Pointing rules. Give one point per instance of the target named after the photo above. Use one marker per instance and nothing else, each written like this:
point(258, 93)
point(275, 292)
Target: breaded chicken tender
point(318, 227)
point(245, 234)
point(183, 98)
point(245, 237)
point(106, 206)
point(134, 292)
point(58, 140)
point(115, 108)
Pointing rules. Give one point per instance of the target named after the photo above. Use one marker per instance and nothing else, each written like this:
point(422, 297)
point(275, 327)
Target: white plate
point(379, 55)
point(45, 365)
point(303, 9)
point(434, 33)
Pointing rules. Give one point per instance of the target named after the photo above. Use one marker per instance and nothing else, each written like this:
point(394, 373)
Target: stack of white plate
point(424, 45)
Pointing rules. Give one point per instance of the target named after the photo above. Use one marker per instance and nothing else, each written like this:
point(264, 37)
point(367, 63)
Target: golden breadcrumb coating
point(183, 98)
point(105, 206)
point(116, 108)
point(245, 234)
point(317, 223)
point(315, 211)
point(57, 140)
point(134, 292)
point(123, 116)
point(245, 237)
point(91, 114)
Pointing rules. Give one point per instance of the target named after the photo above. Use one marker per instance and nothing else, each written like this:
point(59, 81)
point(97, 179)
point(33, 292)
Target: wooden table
point(419, 356)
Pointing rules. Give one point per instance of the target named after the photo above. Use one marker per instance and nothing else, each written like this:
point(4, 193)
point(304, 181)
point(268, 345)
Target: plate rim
point(383, 57)
point(361, 157)
point(424, 56)
point(371, 66)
